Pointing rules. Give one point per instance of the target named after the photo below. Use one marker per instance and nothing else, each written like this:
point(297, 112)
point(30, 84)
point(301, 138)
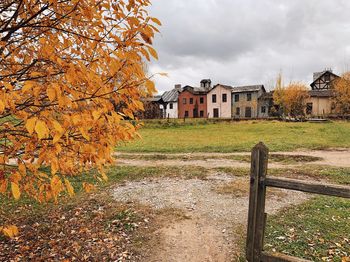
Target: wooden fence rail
point(257, 216)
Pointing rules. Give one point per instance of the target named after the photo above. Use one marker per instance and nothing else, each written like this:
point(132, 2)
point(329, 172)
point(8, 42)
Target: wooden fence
point(257, 216)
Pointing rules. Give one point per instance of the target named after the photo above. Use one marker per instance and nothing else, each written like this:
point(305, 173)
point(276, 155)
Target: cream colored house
point(320, 103)
point(219, 101)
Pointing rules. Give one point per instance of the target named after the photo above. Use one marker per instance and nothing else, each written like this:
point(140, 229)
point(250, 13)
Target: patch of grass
point(239, 136)
point(332, 174)
point(317, 230)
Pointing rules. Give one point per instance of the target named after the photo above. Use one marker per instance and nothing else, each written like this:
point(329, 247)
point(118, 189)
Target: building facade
point(192, 101)
point(245, 102)
point(219, 101)
point(320, 102)
point(169, 106)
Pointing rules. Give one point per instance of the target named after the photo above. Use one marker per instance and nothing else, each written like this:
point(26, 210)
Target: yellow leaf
point(56, 138)
point(58, 127)
point(152, 52)
point(22, 168)
point(150, 86)
point(41, 129)
point(2, 106)
point(156, 20)
point(15, 191)
point(10, 231)
point(84, 133)
point(88, 187)
point(27, 86)
point(51, 93)
point(54, 166)
point(69, 187)
point(30, 124)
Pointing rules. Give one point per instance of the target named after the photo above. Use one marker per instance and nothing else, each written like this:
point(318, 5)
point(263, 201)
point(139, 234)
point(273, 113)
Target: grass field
point(317, 230)
point(204, 136)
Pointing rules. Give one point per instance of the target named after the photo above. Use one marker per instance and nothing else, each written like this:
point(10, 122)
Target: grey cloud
point(248, 42)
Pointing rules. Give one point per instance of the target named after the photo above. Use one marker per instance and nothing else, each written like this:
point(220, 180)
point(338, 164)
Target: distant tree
point(295, 96)
point(290, 100)
point(342, 94)
point(279, 97)
point(64, 68)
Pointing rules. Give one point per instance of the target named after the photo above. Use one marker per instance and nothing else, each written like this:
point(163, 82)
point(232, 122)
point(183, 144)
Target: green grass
point(318, 230)
point(204, 136)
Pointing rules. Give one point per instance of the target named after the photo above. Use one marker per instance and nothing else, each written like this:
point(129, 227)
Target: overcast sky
point(244, 42)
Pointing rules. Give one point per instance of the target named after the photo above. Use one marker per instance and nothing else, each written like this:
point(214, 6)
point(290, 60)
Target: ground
point(192, 205)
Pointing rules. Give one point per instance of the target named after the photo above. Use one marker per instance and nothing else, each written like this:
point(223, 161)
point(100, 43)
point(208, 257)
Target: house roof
point(153, 98)
point(196, 90)
point(224, 86)
point(321, 93)
point(318, 75)
point(170, 96)
point(252, 88)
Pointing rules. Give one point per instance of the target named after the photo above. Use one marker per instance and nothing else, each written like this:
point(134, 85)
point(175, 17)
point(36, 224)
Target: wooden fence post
point(256, 213)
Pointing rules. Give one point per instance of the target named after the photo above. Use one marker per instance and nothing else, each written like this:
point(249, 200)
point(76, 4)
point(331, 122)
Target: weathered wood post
point(256, 213)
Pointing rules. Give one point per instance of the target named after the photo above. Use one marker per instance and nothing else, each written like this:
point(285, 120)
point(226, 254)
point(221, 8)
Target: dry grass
point(240, 188)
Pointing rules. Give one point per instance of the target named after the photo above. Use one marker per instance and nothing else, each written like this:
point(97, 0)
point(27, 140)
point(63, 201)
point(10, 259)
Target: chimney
point(178, 87)
point(206, 84)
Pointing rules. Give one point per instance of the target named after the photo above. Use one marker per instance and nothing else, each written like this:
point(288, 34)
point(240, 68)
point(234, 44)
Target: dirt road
point(336, 158)
point(212, 221)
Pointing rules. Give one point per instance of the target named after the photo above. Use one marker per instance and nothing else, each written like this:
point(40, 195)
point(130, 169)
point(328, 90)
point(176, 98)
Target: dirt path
point(337, 158)
point(209, 232)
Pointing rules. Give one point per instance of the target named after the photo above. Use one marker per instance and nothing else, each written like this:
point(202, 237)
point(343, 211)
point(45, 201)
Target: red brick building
point(192, 102)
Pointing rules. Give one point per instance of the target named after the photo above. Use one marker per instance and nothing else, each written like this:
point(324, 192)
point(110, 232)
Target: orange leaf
point(69, 187)
point(15, 191)
point(41, 129)
point(30, 124)
point(10, 231)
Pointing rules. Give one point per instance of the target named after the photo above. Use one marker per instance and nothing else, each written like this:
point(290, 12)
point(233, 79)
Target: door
point(216, 112)
point(195, 112)
point(248, 112)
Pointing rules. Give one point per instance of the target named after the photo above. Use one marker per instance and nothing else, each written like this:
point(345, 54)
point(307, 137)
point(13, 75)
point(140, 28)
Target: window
point(201, 100)
point(237, 98)
point(213, 98)
point(171, 106)
point(224, 98)
point(191, 101)
point(184, 101)
point(309, 108)
point(186, 113)
point(263, 109)
point(201, 113)
point(327, 77)
point(238, 111)
point(249, 97)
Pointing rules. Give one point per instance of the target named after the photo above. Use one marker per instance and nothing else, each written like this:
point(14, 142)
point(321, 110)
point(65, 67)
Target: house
point(266, 105)
point(151, 108)
point(320, 102)
point(219, 101)
point(169, 105)
point(192, 101)
point(245, 102)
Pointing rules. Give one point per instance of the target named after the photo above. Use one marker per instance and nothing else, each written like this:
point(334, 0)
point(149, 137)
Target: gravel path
point(210, 232)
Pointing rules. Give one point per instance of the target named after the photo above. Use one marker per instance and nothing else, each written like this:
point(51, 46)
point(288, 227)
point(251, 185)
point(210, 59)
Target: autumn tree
point(64, 66)
point(295, 96)
point(279, 96)
point(290, 99)
point(342, 94)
